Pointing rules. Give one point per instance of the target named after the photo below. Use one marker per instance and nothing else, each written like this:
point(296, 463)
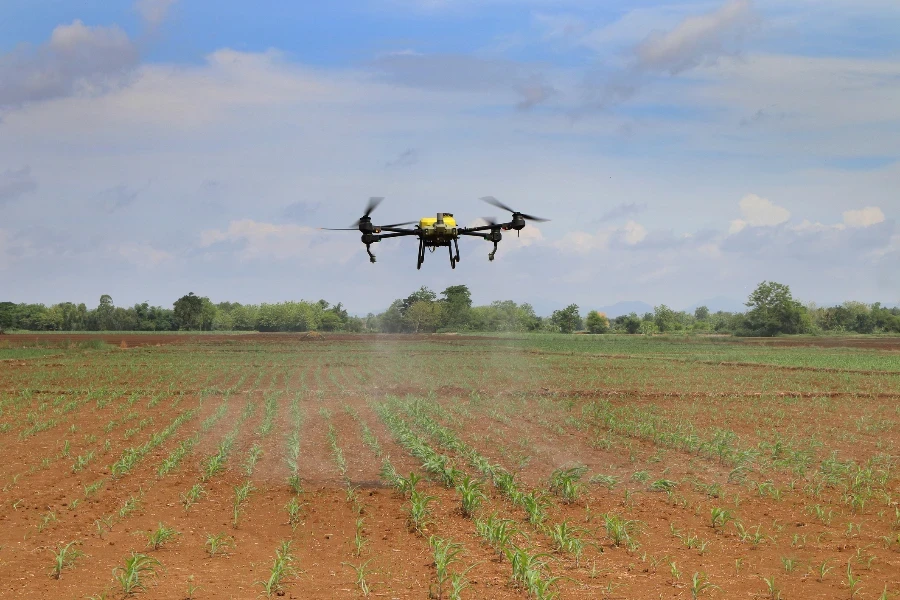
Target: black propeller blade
point(374, 201)
point(494, 202)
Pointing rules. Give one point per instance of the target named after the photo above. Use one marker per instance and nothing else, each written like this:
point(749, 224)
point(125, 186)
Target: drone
point(438, 231)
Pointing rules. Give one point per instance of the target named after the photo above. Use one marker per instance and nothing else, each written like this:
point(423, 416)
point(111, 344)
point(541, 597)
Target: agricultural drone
point(438, 231)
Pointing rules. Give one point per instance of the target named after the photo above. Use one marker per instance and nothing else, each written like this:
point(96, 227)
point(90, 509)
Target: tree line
point(771, 310)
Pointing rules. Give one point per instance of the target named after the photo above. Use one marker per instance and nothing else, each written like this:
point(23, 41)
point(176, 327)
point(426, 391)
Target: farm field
point(226, 466)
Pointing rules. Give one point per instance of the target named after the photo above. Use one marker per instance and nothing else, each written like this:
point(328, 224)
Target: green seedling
point(218, 543)
point(64, 557)
point(161, 536)
point(565, 483)
point(471, 494)
point(137, 570)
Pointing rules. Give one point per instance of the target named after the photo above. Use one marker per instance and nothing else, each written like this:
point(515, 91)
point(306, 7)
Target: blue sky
point(683, 150)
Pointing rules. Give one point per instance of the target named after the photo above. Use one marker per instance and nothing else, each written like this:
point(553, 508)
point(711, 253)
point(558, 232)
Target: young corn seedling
point(219, 543)
point(361, 572)
point(719, 517)
point(191, 588)
point(137, 570)
point(159, 537)
point(253, 456)
point(853, 582)
point(445, 553)
point(192, 496)
point(535, 504)
point(471, 494)
point(700, 584)
point(565, 540)
point(64, 557)
point(619, 529)
point(565, 483)
point(789, 564)
point(419, 513)
point(241, 494)
point(294, 509)
point(607, 481)
point(772, 588)
point(359, 538)
point(282, 568)
point(496, 531)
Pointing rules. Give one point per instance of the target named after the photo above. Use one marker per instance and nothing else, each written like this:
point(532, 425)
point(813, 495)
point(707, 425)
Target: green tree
point(774, 311)
point(423, 316)
point(106, 313)
point(631, 323)
point(457, 303)
point(665, 319)
point(567, 320)
point(701, 313)
point(188, 311)
point(596, 322)
point(422, 294)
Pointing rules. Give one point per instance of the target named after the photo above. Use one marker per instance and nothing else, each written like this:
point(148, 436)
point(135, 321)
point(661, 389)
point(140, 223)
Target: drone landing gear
point(453, 259)
point(371, 256)
point(493, 252)
point(421, 256)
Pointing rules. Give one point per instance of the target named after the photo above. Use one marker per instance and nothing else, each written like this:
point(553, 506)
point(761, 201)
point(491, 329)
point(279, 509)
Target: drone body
point(438, 231)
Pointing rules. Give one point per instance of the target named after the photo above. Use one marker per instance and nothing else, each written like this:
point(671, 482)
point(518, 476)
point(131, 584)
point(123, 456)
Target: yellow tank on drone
point(430, 222)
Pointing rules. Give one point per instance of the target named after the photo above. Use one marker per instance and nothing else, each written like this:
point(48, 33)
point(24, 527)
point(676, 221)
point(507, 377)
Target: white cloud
point(76, 57)
point(864, 217)
point(634, 232)
point(697, 39)
point(758, 212)
point(281, 242)
point(154, 11)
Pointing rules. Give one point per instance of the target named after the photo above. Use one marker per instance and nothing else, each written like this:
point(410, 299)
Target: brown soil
point(530, 411)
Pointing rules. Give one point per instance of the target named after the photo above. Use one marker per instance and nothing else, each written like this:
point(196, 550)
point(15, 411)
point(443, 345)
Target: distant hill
point(625, 307)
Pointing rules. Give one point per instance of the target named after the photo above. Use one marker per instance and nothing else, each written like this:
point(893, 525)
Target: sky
point(683, 151)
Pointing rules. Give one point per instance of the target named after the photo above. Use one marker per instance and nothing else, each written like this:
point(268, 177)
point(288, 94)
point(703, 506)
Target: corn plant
point(852, 582)
point(253, 456)
point(241, 494)
point(361, 572)
point(565, 540)
point(359, 538)
point(565, 483)
point(535, 504)
point(192, 496)
point(218, 543)
point(138, 568)
point(445, 553)
point(282, 568)
point(294, 509)
point(619, 529)
point(159, 537)
point(419, 512)
point(471, 494)
point(607, 481)
point(700, 584)
point(64, 557)
point(496, 531)
point(719, 517)
point(772, 588)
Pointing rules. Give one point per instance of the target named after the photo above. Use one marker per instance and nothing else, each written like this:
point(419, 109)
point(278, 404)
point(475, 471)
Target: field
point(176, 466)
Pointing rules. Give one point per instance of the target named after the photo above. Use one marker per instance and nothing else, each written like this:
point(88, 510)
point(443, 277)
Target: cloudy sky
point(683, 150)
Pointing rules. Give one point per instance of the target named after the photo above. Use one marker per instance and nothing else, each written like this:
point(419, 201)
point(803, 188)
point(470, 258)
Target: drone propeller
point(494, 202)
point(374, 201)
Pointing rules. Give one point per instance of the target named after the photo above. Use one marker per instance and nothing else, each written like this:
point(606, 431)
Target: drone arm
point(467, 230)
point(395, 233)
